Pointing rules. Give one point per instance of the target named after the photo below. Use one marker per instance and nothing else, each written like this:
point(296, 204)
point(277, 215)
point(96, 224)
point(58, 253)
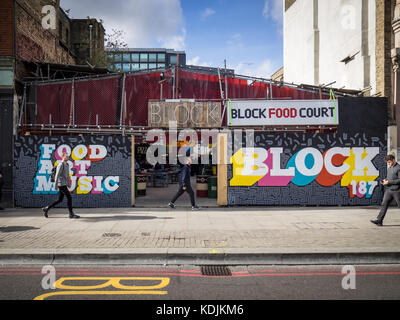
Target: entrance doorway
point(156, 185)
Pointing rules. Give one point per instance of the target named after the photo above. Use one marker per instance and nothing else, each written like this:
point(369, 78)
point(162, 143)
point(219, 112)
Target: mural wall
point(308, 169)
point(100, 170)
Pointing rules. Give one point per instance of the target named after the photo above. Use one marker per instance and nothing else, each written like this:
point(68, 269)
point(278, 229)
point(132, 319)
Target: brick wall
point(6, 28)
point(33, 42)
point(80, 38)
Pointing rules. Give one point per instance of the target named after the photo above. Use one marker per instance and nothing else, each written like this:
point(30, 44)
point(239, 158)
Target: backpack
point(53, 174)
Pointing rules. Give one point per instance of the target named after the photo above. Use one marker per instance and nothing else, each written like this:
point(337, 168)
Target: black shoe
point(377, 222)
point(73, 216)
point(171, 205)
point(1, 208)
point(45, 210)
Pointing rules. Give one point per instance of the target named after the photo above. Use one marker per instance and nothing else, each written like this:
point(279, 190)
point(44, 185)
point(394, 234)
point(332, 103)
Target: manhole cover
point(111, 235)
point(215, 271)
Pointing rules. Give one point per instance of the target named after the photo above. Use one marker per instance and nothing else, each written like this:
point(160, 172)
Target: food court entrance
point(155, 185)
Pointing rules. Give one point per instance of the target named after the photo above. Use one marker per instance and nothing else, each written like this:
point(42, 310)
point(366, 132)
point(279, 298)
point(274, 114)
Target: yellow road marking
point(65, 293)
point(109, 281)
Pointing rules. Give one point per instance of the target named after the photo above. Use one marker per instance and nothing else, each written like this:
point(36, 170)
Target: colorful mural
point(291, 164)
point(353, 167)
point(96, 180)
point(82, 157)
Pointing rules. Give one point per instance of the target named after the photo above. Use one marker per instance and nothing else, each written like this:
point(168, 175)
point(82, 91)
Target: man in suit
point(392, 186)
point(184, 186)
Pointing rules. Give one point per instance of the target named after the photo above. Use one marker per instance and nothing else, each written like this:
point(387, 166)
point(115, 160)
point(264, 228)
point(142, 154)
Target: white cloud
point(262, 70)
point(207, 12)
point(145, 23)
point(235, 40)
point(196, 62)
point(176, 42)
point(273, 9)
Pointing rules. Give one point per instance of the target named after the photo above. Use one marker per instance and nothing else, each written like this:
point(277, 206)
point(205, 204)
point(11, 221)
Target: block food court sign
point(282, 112)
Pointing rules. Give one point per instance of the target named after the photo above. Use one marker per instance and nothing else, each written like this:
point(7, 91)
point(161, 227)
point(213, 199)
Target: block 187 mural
point(100, 170)
point(308, 169)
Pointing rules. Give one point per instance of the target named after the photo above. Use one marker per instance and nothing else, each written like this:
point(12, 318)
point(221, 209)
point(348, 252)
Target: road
point(188, 283)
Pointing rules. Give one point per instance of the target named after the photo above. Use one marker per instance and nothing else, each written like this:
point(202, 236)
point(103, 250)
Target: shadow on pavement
point(119, 218)
point(17, 228)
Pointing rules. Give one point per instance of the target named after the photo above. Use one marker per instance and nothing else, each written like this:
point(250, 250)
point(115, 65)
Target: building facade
point(29, 50)
point(87, 41)
point(344, 43)
point(129, 59)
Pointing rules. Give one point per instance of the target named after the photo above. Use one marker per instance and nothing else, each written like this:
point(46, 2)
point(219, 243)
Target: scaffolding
point(117, 103)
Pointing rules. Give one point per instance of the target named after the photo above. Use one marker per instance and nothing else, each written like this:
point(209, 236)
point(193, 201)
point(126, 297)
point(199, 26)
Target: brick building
point(23, 38)
point(29, 51)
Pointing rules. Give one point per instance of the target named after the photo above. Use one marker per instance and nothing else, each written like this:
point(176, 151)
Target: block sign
point(282, 112)
point(187, 114)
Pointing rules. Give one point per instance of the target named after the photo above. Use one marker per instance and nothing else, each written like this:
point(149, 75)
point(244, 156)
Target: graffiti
point(83, 157)
point(307, 169)
point(96, 180)
point(352, 166)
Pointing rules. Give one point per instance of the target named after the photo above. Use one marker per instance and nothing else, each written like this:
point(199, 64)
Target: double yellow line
point(114, 282)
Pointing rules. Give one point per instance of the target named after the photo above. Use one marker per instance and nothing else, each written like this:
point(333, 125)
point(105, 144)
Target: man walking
point(392, 185)
point(184, 186)
point(62, 183)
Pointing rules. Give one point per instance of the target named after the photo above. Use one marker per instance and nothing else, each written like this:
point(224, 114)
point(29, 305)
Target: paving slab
point(247, 235)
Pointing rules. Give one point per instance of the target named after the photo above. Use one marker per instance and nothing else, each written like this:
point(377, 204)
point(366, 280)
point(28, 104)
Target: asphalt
point(211, 236)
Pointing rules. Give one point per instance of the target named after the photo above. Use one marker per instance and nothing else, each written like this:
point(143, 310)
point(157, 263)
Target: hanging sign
point(282, 112)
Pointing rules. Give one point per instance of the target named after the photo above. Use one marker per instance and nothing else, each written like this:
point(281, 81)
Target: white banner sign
point(282, 112)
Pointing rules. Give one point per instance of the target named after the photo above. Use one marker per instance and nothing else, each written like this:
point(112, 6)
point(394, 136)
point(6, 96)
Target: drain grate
point(111, 235)
point(215, 271)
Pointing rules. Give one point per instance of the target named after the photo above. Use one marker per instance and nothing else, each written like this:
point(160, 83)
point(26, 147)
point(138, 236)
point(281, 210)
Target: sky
point(247, 33)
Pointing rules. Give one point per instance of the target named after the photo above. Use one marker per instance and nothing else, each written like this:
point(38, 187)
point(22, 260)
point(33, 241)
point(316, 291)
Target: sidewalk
point(238, 235)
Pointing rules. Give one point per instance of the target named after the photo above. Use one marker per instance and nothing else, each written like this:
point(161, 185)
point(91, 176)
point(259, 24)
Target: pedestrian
point(185, 186)
point(62, 183)
point(392, 186)
point(1, 187)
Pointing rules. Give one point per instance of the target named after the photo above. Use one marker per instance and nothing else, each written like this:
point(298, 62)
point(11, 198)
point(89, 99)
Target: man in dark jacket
point(184, 185)
point(392, 186)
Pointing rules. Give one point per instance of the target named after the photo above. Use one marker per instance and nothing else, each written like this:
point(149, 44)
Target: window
point(135, 57)
point(161, 65)
point(161, 57)
point(144, 57)
point(152, 65)
point(173, 59)
point(118, 58)
point(60, 30)
point(67, 36)
point(143, 66)
point(152, 57)
point(135, 66)
point(127, 57)
point(126, 67)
